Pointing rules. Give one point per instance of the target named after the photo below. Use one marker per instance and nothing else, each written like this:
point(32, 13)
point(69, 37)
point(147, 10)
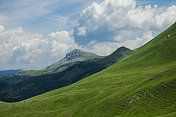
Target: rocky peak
point(75, 54)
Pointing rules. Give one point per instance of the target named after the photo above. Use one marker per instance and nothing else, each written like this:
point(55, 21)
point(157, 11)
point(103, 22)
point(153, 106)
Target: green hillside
point(16, 88)
point(141, 85)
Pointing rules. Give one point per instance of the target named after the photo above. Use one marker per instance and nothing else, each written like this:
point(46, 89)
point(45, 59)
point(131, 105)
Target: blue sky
point(51, 13)
point(37, 33)
point(46, 16)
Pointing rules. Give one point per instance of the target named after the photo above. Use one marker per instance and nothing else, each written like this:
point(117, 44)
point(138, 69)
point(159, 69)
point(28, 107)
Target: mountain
point(17, 88)
point(8, 72)
point(70, 59)
point(75, 55)
point(141, 85)
point(117, 55)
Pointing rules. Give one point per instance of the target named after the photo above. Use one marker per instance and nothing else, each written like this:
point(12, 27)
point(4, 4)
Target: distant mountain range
point(75, 66)
point(70, 59)
point(8, 72)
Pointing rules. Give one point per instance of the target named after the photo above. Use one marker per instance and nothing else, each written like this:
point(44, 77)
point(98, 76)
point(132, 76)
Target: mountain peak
point(121, 50)
point(74, 56)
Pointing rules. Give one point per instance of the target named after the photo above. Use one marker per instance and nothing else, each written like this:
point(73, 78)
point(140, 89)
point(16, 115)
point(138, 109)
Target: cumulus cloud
point(61, 43)
point(1, 28)
point(102, 48)
point(133, 44)
point(118, 21)
point(81, 31)
point(32, 50)
point(105, 48)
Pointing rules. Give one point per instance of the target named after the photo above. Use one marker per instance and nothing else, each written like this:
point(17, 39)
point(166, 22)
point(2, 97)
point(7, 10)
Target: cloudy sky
point(37, 33)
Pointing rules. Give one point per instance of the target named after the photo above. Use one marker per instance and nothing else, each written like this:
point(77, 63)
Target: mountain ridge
point(9, 72)
point(69, 60)
point(75, 55)
point(31, 86)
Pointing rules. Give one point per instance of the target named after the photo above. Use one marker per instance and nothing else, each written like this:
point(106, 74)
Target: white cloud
point(105, 48)
point(133, 44)
point(121, 21)
point(61, 43)
point(166, 18)
point(26, 50)
point(81, 31)
point(1, 28)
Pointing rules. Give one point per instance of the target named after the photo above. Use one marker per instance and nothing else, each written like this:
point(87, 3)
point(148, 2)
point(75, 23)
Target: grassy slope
point(143, 84)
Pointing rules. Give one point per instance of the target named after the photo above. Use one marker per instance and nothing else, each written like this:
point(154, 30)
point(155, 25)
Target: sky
point(38, 33)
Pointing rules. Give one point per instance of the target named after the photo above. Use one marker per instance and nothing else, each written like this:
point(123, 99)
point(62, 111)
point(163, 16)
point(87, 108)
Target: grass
point(143, 84)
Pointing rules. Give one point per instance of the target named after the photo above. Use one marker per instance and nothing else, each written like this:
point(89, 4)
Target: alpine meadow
point(95, 58)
